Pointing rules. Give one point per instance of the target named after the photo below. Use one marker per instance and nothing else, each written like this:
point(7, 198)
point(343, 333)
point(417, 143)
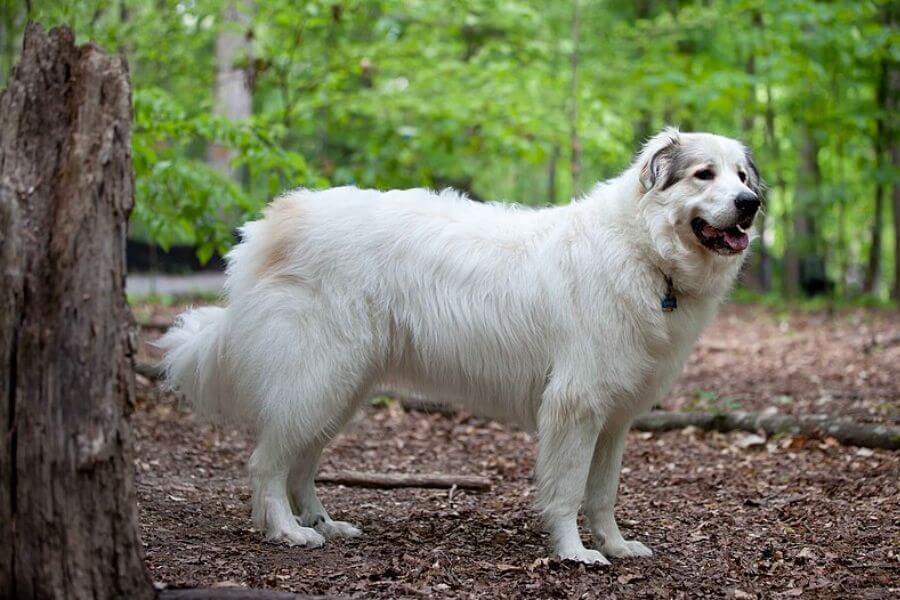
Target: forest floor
point(725, 518)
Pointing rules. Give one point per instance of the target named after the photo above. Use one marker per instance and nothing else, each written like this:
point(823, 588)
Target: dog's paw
point(584, 555)
point(331, 528)
point(327, 527)
point(296, 536)
point(627, 549)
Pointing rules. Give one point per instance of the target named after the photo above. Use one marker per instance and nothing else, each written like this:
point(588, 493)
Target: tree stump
point(67, 502)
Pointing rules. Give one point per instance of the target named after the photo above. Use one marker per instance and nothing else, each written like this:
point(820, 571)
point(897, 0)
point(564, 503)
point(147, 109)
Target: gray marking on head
point(659, 167)
point(754, 181)
point(677, 167)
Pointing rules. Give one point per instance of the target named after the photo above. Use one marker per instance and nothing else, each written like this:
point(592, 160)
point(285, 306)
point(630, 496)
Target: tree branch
point(405, 480)
point(233, 593)
point(846, 431)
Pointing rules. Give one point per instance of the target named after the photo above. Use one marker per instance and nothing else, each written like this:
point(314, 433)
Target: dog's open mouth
point(732, 240)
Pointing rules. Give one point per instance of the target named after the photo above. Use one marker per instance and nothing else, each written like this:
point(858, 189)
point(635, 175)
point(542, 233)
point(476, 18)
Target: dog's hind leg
point(565, 445)
point(308, 509)
point(600, 495)
point(269, 469)
point(283, 467)
point(309, 393)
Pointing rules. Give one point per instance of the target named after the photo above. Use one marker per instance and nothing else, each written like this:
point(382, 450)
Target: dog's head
point(704, 188)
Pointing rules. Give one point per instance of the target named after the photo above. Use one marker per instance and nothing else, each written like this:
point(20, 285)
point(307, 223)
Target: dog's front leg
point(565, 444)
point(600, 495)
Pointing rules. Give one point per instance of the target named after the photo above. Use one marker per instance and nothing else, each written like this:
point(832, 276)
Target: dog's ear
point(754, 181)
point(657, 159)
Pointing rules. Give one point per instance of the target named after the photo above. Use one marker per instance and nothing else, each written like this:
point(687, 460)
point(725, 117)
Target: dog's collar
point(669, 301)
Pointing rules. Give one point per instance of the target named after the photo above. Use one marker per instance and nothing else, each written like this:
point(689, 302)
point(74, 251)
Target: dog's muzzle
point(746, 203)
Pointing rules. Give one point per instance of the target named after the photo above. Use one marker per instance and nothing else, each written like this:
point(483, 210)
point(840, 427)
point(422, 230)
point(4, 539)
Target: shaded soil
point(751, 358)
point(790, 517)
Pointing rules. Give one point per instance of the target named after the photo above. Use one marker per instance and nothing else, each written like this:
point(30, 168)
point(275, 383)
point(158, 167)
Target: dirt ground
point(790, 517)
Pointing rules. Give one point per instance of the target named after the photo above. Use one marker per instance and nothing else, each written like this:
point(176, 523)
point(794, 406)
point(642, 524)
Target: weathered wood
point(404, 480)
point(225, 593)
point(422, 404)
point(846, 431)
point(67, 501)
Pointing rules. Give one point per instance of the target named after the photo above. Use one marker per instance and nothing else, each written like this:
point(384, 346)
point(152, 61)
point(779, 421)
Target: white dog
point(559, 319)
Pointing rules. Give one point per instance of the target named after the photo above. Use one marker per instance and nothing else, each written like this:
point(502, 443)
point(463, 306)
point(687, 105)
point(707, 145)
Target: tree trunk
point(67, 501)
point(643, 127)
point(809, 269)
point(232, 100)
point(873, 268)
point(892, 110)
point(551, 175)
point(895, 160)
point(574, 140)
point(759, 269)
point(777, 187)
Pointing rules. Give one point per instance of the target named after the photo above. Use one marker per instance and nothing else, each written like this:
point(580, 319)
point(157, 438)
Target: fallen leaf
point(227, 584)
point(749, 441)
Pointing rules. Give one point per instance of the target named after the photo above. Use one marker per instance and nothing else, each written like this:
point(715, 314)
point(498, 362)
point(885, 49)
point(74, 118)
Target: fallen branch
point(229, 593)
point(404, 480)
point(846, 431)
point(420, 404)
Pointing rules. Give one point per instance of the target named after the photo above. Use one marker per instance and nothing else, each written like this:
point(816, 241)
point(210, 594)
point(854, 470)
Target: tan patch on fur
point(283, 219)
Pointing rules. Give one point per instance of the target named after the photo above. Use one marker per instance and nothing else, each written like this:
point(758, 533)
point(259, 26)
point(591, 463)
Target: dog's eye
point(705, 174)
point(742, 176)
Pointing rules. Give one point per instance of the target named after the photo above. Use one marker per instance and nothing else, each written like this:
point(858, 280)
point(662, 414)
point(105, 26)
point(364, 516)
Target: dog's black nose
point(747, 203)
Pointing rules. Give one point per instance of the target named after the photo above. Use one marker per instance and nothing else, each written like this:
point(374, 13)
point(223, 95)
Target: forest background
point(518, 100)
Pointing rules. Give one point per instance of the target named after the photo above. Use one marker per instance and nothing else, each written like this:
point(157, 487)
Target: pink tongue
point(736, 240)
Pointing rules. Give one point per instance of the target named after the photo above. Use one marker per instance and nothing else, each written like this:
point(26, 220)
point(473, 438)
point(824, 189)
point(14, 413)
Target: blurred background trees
point(520, 100)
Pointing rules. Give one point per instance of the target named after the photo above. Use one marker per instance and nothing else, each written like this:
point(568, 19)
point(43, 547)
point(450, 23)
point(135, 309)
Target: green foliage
point(707, 401)
point(180, 197)
point(827, 303)
point(479, 94)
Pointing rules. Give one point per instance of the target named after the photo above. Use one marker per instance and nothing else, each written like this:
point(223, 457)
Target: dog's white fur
point(548, 318)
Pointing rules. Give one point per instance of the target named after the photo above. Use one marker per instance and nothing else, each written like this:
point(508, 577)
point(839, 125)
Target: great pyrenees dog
point(567, 320)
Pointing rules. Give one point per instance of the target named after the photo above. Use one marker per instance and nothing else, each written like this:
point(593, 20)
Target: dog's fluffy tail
point(194, 362)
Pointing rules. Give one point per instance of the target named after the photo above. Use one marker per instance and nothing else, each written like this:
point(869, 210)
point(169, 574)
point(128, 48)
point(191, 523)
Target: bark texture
point(67, 501)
